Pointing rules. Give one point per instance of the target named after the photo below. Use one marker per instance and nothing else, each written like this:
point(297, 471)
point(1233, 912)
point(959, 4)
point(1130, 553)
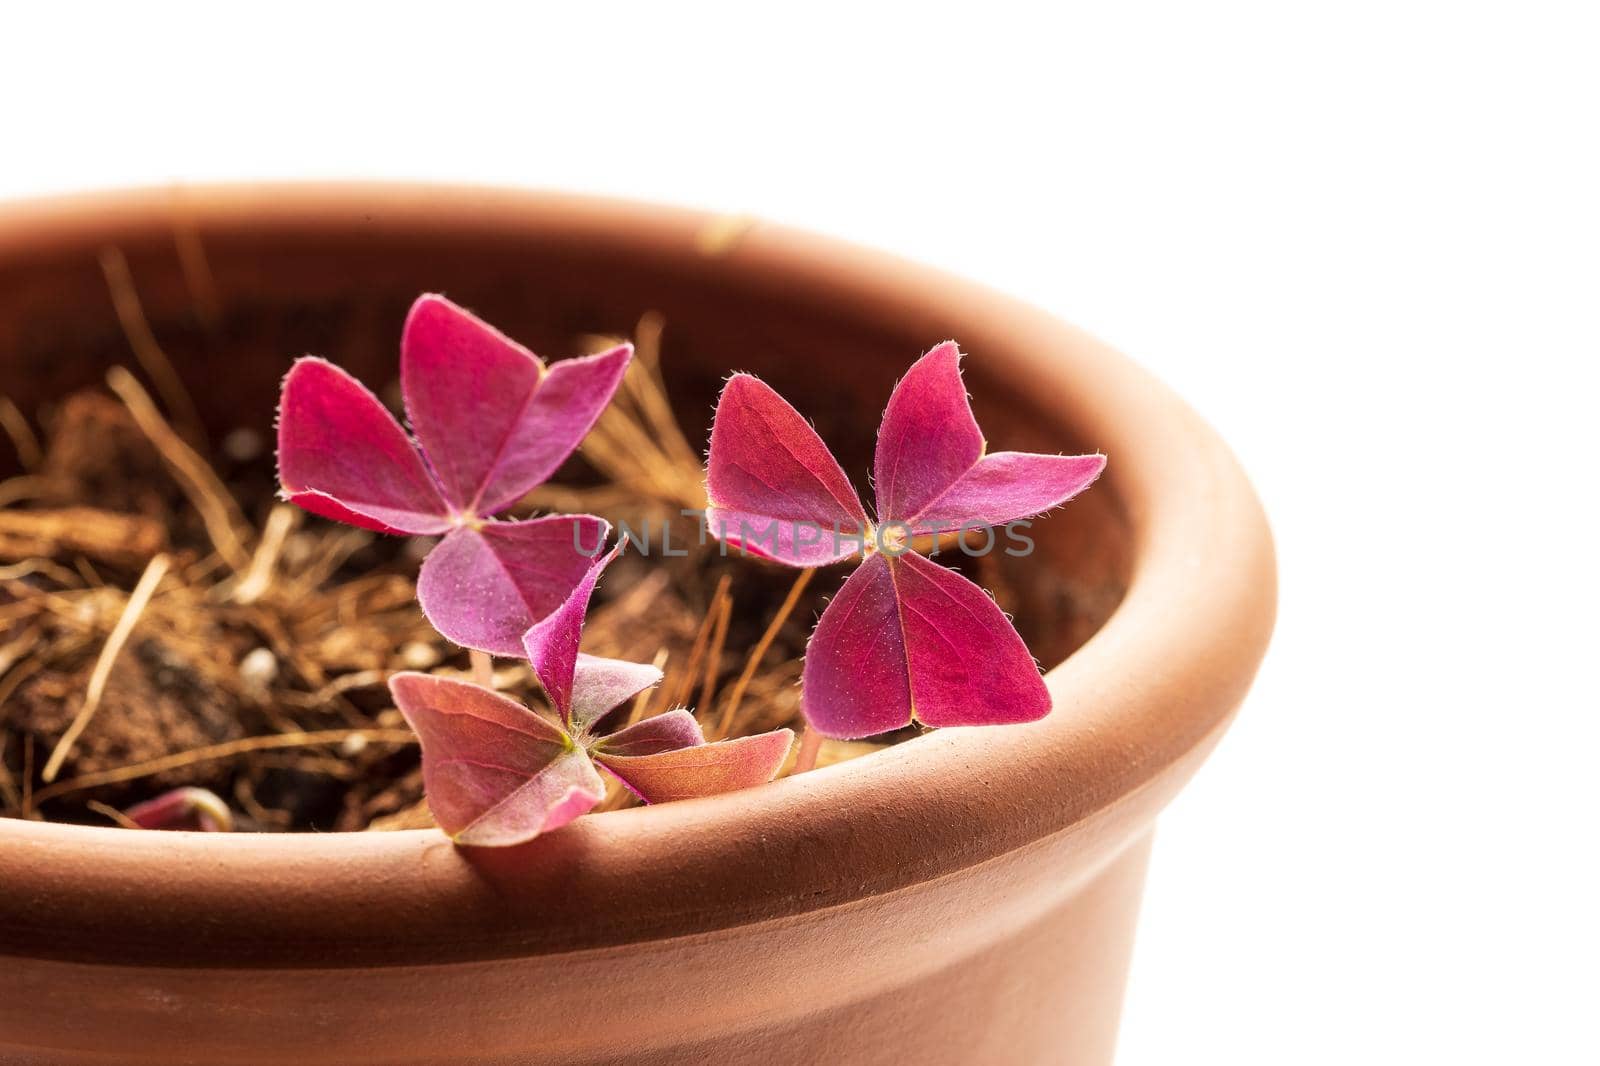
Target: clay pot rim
point(1136, 707)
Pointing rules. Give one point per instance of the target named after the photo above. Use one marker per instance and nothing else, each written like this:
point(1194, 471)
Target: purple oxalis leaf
point(493, 423)
point(186, 807)
point(768, 470)
point(905, 639)
point(498, 773)
point(484, 586)
point(652, 736)
point(1005, 487)
point(967, 664)
point(603, 685)
point(928, 437)
point(492, 418)
point(701, 769)
point(495, 772)
point(342, 455)
point(551, 644)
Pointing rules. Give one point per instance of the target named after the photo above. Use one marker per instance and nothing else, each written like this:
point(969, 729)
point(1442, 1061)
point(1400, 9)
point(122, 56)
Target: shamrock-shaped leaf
point(497, 773)
point(905, 639)
point(492, 422)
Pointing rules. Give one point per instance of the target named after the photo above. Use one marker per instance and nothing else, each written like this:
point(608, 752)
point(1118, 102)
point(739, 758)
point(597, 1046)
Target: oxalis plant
point(905, 640)
point(492, 423)
point(498, 773)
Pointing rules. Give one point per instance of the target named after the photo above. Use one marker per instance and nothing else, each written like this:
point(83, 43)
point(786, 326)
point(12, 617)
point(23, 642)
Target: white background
point(1362, 238)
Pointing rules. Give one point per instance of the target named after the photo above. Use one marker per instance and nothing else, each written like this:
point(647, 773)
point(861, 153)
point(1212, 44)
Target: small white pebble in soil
point(242, 445)
point(258, 669)
point(419, 655)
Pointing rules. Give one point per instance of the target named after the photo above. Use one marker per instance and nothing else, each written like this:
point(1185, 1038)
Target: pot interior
point(233, 299)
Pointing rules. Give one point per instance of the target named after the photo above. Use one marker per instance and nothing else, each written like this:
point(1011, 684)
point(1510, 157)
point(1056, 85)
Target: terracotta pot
point(966, 897)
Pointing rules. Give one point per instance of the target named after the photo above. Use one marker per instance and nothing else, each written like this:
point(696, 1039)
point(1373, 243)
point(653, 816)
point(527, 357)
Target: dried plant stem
point(29, 451)
point(344, 683)
point(12, 651)
point(22, 488)
point(86, 531)
point(225, 750)
point(137, 599)
point(719, 639)
point(112, 813)
point(8, 783)
point(759, 652)
point(649, 390)
point(130, 313)
point(14, 678)
point(637, 443)
point(27, 567)
point(680, 693)
point(200, 483)
point(28, 798)
point(196, 267)
point(482, 668)
point(810, 745)
point(258, 576)
point(641, 702)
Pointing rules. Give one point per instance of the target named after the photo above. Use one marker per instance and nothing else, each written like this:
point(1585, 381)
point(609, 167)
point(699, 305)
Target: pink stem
point(810, 744)
point(482, 669)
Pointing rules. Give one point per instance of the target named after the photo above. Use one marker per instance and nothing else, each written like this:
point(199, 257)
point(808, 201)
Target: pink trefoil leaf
point(498, 773)
point(492, 422)
point(905, 639)
point(774, 488)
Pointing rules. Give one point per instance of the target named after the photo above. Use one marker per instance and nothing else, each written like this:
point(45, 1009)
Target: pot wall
point(966, 897)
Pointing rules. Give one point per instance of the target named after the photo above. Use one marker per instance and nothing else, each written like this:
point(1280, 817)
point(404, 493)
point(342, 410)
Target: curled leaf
point(701, 769)
point(495, 772)
point(483, 587)
point(603, 685)
point(552, 643)
point(188, 807)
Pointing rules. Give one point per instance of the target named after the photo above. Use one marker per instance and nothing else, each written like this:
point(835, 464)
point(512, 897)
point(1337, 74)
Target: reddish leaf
point(907, 640)
point(494, 421)
point(855, 682)
point(928, 437)
point(187, 807)
point(967, 664)
point(552, 644)
point(602, 685)
point(774, 487)
point(702, 769)
point(341, 454)
point(651, 736)
point(483, 586)
point(495, 772)
point(1005, 487)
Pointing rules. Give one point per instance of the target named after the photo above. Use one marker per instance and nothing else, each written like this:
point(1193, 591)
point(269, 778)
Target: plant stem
point(482, 668)
point(206, 754)
point(760, 650)
point(810, 744)
point(142, 592)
